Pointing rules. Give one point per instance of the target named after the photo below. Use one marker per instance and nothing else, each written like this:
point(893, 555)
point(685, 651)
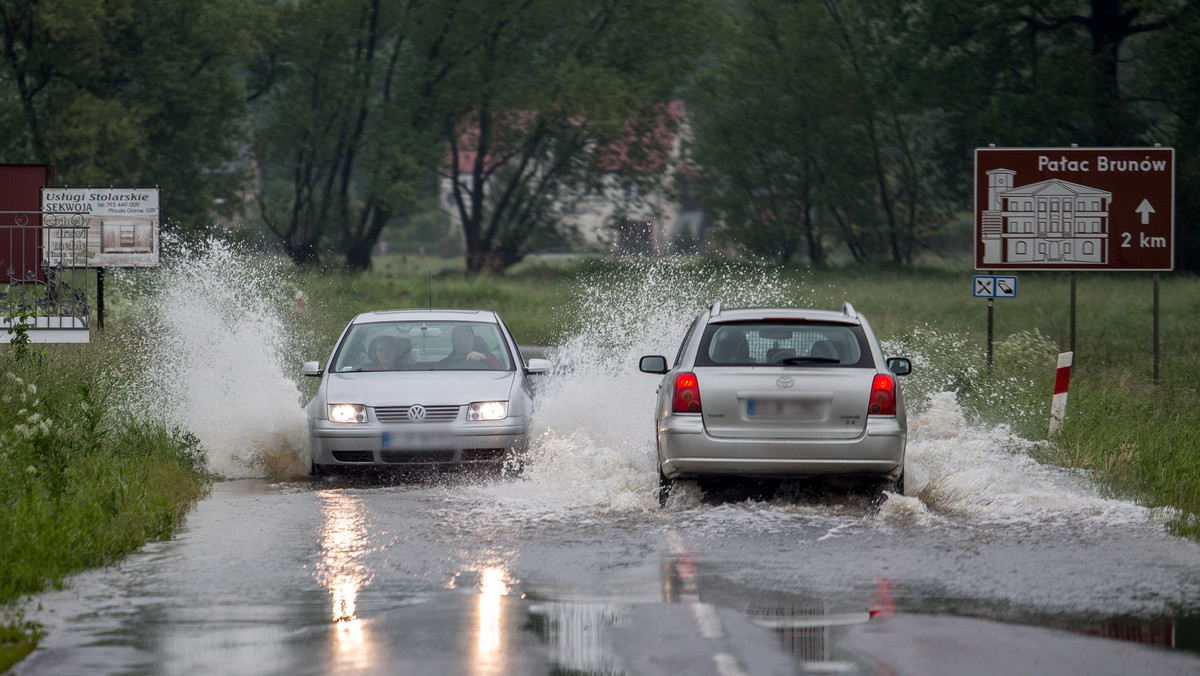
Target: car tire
point(895, 486)
point(664, 488)
point(316, 470)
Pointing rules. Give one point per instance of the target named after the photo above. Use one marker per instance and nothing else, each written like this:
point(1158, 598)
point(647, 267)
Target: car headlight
point(347, 413)
point(488, 410)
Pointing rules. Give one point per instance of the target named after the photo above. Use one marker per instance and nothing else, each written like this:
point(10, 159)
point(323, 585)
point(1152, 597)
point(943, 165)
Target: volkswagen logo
point(784, 382)
point(416, 413)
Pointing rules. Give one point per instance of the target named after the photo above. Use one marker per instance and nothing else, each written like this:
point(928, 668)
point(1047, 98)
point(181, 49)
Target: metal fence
point(43, 259)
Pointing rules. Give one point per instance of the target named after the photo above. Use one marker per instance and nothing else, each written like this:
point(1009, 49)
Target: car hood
point(429, 388)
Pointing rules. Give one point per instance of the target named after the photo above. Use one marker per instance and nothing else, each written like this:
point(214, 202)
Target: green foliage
point(19, 323)
point(130, 92)
point(18, 638)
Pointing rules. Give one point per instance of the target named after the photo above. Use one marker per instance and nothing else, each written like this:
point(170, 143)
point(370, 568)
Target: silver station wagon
point(780, 393)
point(408, 388)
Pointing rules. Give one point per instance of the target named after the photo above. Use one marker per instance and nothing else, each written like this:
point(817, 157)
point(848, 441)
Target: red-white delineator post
point(1062, 378)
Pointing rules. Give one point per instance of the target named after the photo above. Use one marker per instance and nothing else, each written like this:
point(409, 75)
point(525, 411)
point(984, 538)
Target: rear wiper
point(804, 360)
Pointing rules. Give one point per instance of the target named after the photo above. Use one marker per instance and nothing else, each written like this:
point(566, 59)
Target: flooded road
point(990, 563)
point(471, 575)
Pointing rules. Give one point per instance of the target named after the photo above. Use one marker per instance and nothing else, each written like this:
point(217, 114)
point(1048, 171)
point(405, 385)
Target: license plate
point(783, 409)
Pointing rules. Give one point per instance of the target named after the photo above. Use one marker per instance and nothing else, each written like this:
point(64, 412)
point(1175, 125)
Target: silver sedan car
point(409, 388)
point(778, 393)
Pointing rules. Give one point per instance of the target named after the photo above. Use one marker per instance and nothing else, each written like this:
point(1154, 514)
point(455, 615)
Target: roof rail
point(714, 309)
point(848, 310)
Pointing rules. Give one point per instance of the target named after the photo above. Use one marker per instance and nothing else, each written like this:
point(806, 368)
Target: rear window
point(762, 343)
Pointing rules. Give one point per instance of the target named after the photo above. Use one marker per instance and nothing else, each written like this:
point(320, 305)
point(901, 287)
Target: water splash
point(213, 358)
point(594, 441)
point(593, 448)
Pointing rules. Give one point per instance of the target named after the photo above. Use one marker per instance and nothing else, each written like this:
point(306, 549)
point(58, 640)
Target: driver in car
point(464, 355)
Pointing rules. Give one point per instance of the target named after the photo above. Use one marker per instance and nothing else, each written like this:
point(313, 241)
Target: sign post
point(1072, 209)
point(992, 287)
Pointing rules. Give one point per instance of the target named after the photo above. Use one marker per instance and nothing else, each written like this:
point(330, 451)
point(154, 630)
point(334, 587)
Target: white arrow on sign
point(1145, 210)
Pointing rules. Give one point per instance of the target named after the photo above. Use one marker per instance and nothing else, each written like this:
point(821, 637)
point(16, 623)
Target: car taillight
point(883, 396)
point(687, 393)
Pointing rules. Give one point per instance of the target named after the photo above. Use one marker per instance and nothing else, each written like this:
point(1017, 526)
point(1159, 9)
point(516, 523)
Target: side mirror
point(901, 366)
point(312, 369)
point(538, 366)
point(653, 364)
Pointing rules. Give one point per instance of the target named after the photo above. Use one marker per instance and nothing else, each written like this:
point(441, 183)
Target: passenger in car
point(463, 352)
point(389, 353)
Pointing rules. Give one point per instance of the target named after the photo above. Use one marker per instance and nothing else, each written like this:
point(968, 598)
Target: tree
point(130, 92)
point(760, 112)
point(808, 135)
point(509, 102)
point(545, 102)
point(1038, 72)
point(344, 147)
point(1173, 71)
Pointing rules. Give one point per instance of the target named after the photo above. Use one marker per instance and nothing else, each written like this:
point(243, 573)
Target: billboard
point(114, 227)
point(1074, 208)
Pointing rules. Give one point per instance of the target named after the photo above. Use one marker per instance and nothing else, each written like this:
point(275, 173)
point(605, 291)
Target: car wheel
point(890, 485)
point(664, 488)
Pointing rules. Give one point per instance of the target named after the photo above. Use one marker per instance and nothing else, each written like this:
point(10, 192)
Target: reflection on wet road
point(344, 573)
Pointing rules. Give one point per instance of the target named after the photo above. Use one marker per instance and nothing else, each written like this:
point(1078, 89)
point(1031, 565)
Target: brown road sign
point(1074, 208)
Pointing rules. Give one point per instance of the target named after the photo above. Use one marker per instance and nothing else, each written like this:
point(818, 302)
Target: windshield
point(423, 346)
point(775, 342)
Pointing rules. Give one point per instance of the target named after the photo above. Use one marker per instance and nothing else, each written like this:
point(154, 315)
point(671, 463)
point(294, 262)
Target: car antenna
point(430, 273)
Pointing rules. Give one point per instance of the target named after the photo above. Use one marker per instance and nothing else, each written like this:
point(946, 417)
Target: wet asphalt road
point(481, 575)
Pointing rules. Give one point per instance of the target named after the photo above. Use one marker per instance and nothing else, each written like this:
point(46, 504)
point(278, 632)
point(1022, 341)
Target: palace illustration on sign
point(1050, 221)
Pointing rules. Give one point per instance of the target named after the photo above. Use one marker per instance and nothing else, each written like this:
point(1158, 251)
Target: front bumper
point(422, 444)
point(687, 450)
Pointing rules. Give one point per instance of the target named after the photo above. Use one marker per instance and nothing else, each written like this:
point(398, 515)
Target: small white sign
point(994, 286)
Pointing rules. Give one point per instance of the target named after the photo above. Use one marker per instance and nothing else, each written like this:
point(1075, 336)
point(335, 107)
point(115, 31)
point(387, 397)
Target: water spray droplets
point(213, 359)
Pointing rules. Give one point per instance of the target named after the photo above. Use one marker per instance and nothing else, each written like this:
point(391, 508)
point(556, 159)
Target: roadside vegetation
point(81, 483)
point(84, 482)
